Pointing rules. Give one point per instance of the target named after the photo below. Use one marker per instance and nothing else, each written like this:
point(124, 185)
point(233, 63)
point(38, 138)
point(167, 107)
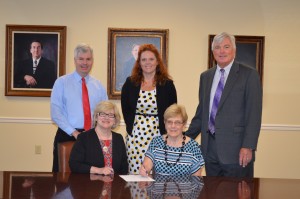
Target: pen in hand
point(143, 171)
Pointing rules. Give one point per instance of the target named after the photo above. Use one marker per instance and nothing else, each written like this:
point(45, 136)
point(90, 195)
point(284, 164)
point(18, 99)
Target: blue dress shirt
point(66, 100)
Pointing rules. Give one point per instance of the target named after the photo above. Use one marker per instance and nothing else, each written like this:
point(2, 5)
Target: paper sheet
point(136, 178)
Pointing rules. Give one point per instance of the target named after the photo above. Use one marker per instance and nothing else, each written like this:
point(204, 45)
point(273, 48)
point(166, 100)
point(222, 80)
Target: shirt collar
point(226, 68)
point(78, 77)
point(38, 60)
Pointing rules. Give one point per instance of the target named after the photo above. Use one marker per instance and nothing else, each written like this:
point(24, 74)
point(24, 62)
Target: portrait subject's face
point(148, 62)
point(224, 52)
point(84, 63)
point(36, 50)
point(135, 51)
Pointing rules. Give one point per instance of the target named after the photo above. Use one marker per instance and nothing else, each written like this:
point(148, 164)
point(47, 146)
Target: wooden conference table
point(44, 185)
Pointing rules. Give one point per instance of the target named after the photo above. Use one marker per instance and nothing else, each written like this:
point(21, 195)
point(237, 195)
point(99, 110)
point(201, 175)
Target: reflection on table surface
point(17, 185)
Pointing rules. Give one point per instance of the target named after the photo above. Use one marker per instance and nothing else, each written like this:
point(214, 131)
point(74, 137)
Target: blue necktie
point(214, 108)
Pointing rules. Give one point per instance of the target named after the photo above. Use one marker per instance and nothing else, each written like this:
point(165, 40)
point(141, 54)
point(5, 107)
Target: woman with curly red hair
point(145, 96)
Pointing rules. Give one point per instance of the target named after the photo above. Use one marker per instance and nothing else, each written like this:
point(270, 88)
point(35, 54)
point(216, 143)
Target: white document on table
point(136, 178)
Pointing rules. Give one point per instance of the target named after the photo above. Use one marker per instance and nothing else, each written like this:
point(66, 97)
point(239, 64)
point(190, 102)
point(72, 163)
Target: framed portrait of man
point(123, 46)
point(35, 58)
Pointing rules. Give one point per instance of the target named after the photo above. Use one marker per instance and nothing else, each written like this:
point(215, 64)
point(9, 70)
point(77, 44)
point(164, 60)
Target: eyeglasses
point(176, 123)
point(103, 115)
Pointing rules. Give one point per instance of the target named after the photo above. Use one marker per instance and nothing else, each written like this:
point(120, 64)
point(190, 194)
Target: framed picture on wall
point(123, 45)
point(249, 50)
point(35, 58)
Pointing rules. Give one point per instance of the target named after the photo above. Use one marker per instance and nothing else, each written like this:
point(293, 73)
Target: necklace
point(173, 192)
point(180, 154)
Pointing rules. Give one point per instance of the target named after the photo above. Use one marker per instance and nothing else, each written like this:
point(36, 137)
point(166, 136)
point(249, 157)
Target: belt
point(80, 130)
point(211, 134)
point(147, 115)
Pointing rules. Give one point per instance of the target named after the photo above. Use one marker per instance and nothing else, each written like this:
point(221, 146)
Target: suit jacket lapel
point(210, 78)
point(233, 75)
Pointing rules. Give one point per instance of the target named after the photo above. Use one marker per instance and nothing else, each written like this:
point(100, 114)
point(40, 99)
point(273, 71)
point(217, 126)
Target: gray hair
point(220, 37)
point(82, 48)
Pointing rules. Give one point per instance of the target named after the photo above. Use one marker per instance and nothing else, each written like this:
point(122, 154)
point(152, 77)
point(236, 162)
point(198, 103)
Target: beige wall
point(25, 121)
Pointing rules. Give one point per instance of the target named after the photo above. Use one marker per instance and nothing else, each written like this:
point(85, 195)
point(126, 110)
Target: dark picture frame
point(18, 42)
point(121, 44)
point(250, 51)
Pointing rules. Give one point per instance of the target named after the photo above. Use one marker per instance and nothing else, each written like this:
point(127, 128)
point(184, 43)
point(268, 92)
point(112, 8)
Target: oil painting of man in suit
point(36, 71)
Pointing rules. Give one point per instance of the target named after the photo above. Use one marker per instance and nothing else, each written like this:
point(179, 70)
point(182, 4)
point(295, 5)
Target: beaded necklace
point(180, 154)
point(174, 192)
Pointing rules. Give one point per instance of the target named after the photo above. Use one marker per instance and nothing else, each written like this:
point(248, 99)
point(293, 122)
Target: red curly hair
point(161, 75)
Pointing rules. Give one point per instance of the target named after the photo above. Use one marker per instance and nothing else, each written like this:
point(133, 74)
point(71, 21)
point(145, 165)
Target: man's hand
point(244, 191)
point(30, 81)
point(245, 156)
point(75, 134)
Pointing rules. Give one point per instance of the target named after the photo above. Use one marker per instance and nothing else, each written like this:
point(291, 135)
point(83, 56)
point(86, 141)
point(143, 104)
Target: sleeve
point(150, 151)
point(56, 107)
point(253, 111)
point(124, 162)
point(125, 101)
point(77, 158)
point(172, 94)
point(52, 75)
point(195, 126)
point(18, 76)
point(103, 93)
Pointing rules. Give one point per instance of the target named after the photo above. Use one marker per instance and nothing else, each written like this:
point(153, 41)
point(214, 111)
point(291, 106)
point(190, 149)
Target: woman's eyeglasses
point(103, 115)
point(176, 123)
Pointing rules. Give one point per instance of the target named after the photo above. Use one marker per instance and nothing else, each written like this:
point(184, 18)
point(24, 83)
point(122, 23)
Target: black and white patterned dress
point(145, 127)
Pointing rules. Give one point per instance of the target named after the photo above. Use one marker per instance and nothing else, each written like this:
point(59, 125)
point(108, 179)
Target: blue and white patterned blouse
point(190, 161)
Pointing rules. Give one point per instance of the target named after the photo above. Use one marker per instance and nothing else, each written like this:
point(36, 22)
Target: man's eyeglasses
point(103, 115)
point(176, 123)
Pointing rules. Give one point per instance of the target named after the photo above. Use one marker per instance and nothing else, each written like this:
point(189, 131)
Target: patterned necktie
point(86, 106)
point(34, 66)
point(214, 108)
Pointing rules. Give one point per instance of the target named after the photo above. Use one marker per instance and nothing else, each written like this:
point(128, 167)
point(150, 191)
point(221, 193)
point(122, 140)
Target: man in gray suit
point(230, 126)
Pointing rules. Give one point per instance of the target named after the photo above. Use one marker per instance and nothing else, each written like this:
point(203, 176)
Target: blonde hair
point(107, 106)
point(176, 110)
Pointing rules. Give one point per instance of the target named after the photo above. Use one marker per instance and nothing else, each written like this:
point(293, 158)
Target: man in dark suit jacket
point(229, 150)
point(36, 72)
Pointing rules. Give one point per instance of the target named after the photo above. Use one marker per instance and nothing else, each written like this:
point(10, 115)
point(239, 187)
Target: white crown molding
point(268, 127)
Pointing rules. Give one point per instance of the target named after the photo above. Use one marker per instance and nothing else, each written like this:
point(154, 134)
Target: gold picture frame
point(121, 43)
point(18, 51)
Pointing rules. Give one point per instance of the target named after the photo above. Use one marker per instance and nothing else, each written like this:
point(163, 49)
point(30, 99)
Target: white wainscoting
point(268, 127)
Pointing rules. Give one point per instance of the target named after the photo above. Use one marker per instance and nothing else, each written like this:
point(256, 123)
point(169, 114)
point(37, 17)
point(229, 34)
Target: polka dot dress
point(145, 127)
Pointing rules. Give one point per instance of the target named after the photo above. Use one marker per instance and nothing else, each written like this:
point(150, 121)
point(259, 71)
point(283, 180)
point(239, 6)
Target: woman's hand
point(107, 171)
point(101, 178)
point(146, 167)
point(103, 170)
point(143, 171)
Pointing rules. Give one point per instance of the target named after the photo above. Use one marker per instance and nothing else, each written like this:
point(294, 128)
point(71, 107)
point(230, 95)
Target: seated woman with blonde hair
point(100, 150)
point(173, 153)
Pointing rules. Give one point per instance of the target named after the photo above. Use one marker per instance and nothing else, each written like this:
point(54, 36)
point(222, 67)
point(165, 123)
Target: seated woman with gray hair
point(100, 150)
point(173, 153)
